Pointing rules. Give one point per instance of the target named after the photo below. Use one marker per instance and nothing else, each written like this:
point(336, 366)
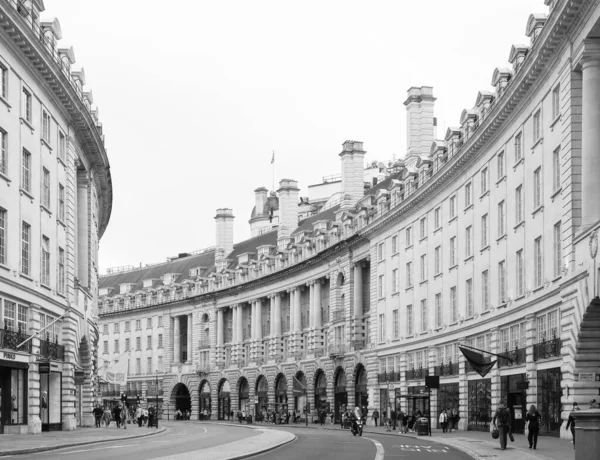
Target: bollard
point(587, 434)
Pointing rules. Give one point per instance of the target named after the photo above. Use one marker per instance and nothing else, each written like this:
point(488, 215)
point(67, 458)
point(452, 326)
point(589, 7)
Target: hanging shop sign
point(44, 368)
point(79, 377)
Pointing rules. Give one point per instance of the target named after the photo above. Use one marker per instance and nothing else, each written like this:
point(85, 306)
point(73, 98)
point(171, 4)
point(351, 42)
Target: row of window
point(509, 338)
point(15, 319)
point(138, 325)
point(138, 344)
point(538, 268)
point(519, 214)
point(26, 253)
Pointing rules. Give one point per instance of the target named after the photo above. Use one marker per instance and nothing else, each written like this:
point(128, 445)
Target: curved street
point(187, 440)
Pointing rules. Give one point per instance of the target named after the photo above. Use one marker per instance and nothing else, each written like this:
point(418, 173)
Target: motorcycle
point(357, 427)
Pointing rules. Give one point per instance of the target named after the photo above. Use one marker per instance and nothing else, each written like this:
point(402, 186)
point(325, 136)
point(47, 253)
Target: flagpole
point(273, 169)
point(44, 328)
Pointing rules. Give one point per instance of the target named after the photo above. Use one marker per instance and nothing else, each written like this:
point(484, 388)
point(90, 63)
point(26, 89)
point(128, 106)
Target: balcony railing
point(260, 360)
point(11, 339)
point(298, 355)
point(446, 370)
point(241, 362)
point(416, 374)
point(337, 350)
point(517, 356)
point(204, 368)
point(547, 349)
point(392, 376)
point(49, 350)
point(337, 315)
point(110, 393)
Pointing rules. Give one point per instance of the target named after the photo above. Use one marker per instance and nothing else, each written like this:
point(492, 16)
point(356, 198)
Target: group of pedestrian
point(448, 419)
point(103, 415)
point(185, 414)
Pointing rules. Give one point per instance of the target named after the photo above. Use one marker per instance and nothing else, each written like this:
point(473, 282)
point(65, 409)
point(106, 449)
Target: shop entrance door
point(517, 406)
point(4, 403)
point(341, 403)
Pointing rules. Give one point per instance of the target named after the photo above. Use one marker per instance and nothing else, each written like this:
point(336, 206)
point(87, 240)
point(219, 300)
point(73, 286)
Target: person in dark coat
point(98, 414)
point(375, 416)
point(533, 419)
point(502, 423)
point(400, 417)
point(393, 417)
point(571, 422)
point(117, 415)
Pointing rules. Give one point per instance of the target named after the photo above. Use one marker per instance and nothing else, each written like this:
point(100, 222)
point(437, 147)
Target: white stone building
point(55, 203)
point(480, 238)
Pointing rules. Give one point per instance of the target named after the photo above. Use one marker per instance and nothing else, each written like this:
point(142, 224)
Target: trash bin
point(423, 426)
point(248, 419)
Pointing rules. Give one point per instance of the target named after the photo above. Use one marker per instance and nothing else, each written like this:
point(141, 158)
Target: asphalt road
point(334, 445)
point(180, 437)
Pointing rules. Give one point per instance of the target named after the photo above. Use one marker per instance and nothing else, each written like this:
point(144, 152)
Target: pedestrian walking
point(571, 422)
point(394, 419)
point(533, 426)
point(501, 422)
point(444, 420)
point(400, 418)
point(375, 416)
point(97, 414)
point(454, 419)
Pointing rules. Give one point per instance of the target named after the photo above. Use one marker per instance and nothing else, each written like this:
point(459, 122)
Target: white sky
point(195, 95)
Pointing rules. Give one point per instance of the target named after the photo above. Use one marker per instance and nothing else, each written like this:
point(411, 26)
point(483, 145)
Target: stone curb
point(34, 450)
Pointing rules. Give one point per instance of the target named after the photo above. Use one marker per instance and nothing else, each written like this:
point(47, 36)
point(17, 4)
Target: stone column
point(311, 314)
point(587, 427)
point(590, 135)
point(292, 293)
point(276, 323)
point(189, 338)
point(358, 302)
point(220, 328)
point(258, 321)
point(176, 340)
point(33, 420)
point(234, 337)
point(240, 330)
point(297, 311)
point(317, 317)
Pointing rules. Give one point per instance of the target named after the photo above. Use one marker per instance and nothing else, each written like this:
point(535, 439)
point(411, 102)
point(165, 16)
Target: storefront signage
point(15, 357)
point(587, 377)
point(44, 368)
point(79, 377)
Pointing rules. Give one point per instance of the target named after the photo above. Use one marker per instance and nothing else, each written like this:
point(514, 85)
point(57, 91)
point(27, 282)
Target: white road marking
point(380, 450)
point(99, 448)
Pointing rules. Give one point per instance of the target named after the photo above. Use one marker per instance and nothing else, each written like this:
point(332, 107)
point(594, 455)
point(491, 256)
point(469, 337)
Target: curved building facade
point(481, 238)
point(55, 203)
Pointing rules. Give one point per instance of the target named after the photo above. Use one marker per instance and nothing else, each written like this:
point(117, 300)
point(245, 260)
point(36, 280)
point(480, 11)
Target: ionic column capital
point(591, 53)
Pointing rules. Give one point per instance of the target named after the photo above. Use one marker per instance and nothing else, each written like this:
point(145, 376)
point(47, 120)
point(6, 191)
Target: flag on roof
point(477, 361)
point(273, 157)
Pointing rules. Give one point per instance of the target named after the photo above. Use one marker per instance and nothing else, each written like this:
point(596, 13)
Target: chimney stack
point(260, 199)
point(353, 173)
point(419, 120)
point(224, 220)
point(288, 209)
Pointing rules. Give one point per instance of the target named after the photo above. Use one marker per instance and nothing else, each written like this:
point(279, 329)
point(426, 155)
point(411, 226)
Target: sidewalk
point(12, 444)
point(478, 444)
point(267, 440)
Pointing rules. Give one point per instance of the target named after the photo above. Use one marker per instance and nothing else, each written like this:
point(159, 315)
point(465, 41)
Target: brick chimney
point(419, 120)
point(288, 209)
point(353, 175)
point(224, 219)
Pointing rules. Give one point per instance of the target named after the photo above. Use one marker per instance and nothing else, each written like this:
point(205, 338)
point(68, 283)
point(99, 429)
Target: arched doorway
point(300, 400)
point(224, 408)
point(361, 396)
point(341, 394)
point(204, 403)
point(281, 401)
point(180, 398)
point(244, 395)
point(321, 402)
point(262, 395)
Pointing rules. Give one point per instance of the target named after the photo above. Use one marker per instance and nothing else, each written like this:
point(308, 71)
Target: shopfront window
point(548, 401)
point(51, 401)
point(480, 404)
point(13, 396)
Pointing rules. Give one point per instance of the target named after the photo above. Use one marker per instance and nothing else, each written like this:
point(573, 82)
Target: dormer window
point(125, 288)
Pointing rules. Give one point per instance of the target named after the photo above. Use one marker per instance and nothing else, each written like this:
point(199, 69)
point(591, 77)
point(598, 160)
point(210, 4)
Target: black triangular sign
point(476, 361)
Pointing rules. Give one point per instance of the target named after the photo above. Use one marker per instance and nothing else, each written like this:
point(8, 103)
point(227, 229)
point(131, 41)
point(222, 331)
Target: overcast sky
point(195, 95)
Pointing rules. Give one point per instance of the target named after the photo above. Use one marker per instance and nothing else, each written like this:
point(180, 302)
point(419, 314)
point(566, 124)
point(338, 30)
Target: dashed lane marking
point(380, 450)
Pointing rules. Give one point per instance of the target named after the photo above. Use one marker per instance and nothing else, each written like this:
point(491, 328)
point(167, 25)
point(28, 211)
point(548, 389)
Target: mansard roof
point(384, 184)
point(307, 225)
point(251, 245)
point(181, 265)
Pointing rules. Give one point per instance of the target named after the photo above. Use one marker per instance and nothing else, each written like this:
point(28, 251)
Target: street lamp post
point(156, 406)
